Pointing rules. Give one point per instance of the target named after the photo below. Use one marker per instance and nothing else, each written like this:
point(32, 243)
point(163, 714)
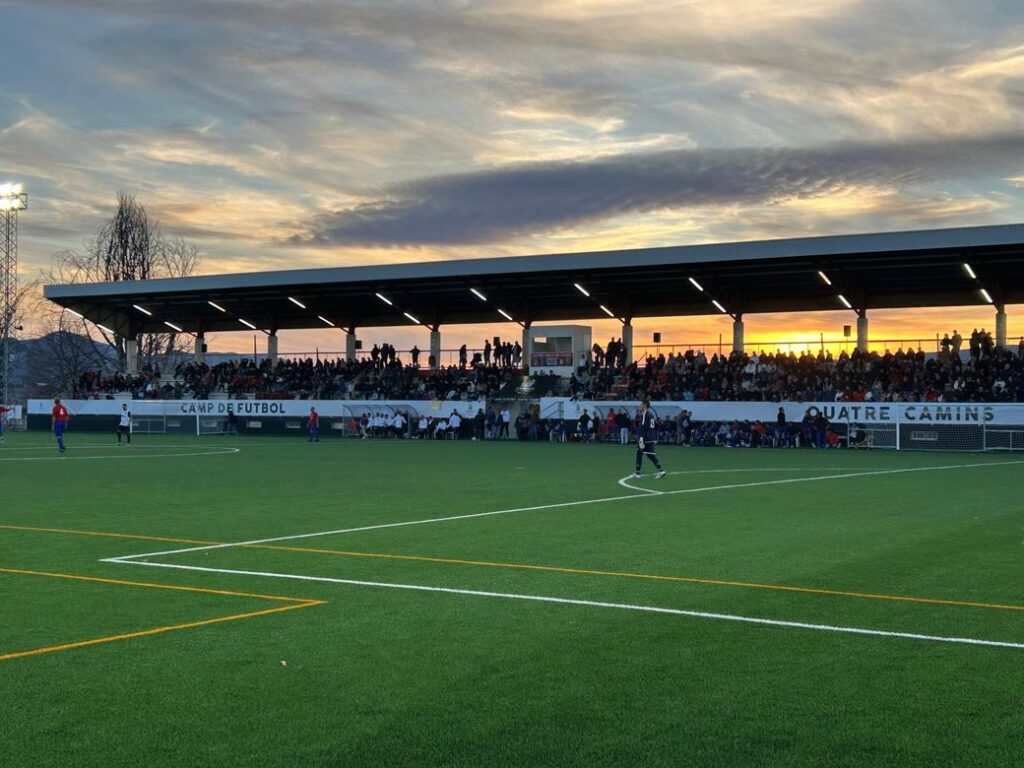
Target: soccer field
point(270, 602)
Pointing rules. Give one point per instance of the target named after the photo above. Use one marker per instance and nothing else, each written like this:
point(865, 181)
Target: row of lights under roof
point(716, 302)
point(825, 279)
point(603, 308)
point(390, 303)
point(971, 274)
point(693, 281)
point(967, 268)
point(501, 311)
point(321, 318)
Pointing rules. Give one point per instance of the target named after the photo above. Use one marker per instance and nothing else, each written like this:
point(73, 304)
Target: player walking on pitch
point(647, 442)
point(59, 422)
point(314, 426)
point(124, 425)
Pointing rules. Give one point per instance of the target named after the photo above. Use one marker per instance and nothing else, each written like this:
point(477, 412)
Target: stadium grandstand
point(968, 266)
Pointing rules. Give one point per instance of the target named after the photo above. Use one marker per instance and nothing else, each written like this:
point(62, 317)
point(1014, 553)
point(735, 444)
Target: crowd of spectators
point(380, 376)
point(984, 374)
point(988, 374)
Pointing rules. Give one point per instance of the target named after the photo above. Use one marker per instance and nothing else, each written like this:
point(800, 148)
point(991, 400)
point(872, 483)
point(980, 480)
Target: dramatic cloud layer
point(305, 132)
point(492, 206)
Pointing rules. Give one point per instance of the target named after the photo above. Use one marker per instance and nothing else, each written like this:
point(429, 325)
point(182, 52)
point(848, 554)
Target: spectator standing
point(506, 421)
point(957, 341)
point(583, 426)
point(622, 423)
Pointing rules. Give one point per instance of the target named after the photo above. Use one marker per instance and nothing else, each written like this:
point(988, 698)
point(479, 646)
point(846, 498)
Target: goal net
point(872, 436)
point(213, 425)
point(1004, 438)
point(149, 425)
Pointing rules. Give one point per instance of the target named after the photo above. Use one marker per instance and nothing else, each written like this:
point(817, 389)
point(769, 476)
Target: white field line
point(115, 457)
point(132, 446)
point(704, 489)
point(865, 473)
point(624, 484)
point(128, 558)
point(595, 604)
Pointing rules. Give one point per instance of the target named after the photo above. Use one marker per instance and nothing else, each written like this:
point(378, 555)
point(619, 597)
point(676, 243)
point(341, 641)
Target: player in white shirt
point(398, 424)
point(124, 425)
point(423, 425)
point(455, 422)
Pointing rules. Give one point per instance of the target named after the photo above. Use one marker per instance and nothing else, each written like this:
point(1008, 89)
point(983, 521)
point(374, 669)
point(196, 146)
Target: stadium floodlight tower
point(12, 200)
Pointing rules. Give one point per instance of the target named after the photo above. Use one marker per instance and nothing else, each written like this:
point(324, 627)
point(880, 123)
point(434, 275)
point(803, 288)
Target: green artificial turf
point(378, 676)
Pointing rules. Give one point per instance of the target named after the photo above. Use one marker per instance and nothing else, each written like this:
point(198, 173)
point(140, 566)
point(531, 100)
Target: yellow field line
point(560, 569)
point(151, 585)
point(135, 536)
point(157, 630)
point(651, 577)
point(297, 602)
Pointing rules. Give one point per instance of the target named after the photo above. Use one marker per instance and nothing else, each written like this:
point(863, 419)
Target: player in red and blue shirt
point(314, 426)
point(4, 410)
point(59, 422)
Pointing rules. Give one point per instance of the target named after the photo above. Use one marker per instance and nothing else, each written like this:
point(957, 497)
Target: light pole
point(12, 200)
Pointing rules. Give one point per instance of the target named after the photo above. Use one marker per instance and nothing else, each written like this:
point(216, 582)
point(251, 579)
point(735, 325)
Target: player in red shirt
point(59, 422)
point(4, 410)
point(314, 426)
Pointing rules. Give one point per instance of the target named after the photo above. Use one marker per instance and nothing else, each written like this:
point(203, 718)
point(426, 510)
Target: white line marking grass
point(122, 455)
point(623, 482)
point(112, 444)
point(450, 518)
point(595, 604)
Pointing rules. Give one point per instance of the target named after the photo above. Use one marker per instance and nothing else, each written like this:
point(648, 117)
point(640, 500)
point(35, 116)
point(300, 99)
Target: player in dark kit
point(647, 442)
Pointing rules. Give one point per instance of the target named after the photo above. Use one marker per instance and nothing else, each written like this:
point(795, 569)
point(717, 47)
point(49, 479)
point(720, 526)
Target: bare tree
point(65, 351)
point(130, 246)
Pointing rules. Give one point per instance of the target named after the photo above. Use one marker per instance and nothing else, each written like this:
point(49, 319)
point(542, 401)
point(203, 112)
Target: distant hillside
point(49, 365)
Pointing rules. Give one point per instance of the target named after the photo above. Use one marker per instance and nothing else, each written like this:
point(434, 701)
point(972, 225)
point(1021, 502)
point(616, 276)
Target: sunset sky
point(280, 134)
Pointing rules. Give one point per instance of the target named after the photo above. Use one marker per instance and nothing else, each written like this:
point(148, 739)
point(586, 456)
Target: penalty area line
point(114, 457)
point(560, 505)
point(756, 620)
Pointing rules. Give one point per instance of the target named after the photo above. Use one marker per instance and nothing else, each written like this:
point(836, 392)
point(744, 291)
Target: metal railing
point(723, 346)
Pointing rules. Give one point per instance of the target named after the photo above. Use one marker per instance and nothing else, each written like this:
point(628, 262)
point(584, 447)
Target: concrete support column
point(737, 334)
point(199, 353)
point(1000, 327)
point(627, 342)
point(272, 348)
point(350, 345)
point(435, 347)
point(527, 347)
point(862, 332)
point(131, 352)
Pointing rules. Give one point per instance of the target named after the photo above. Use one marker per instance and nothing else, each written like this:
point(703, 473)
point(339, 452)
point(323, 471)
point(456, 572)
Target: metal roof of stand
point(938, 267)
